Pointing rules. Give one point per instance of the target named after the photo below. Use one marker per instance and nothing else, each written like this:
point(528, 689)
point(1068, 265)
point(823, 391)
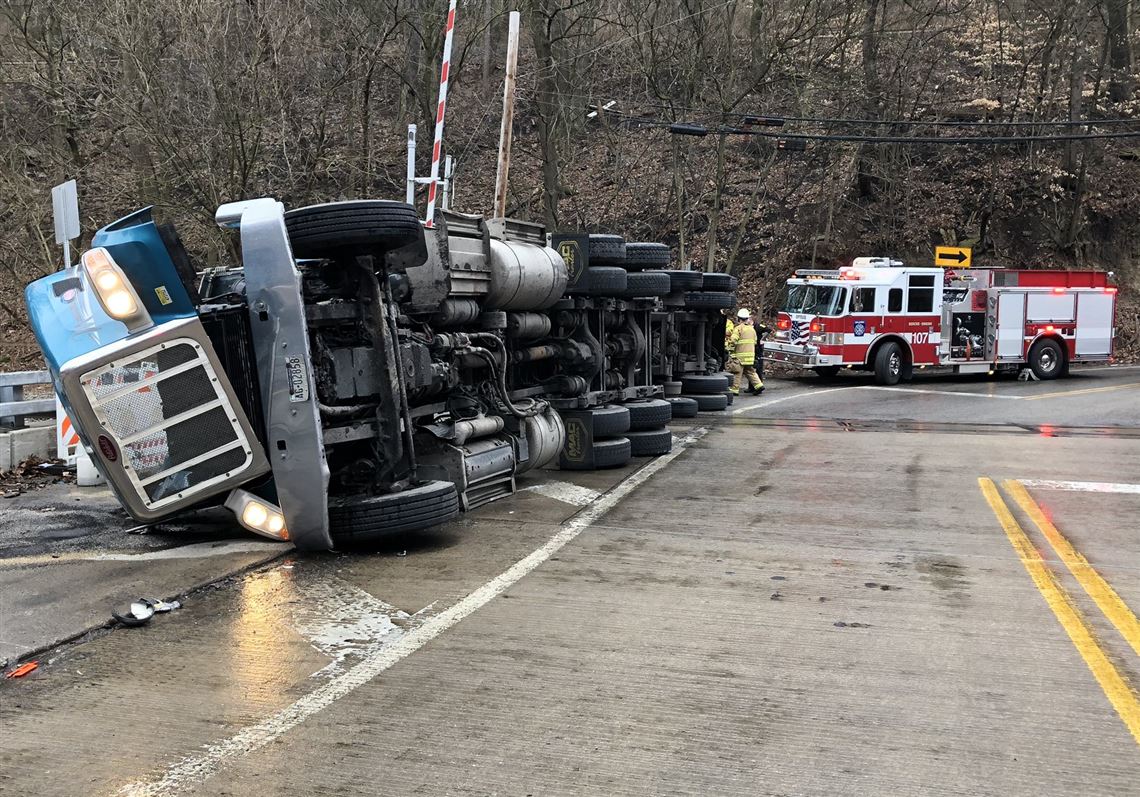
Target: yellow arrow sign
point(952, 257)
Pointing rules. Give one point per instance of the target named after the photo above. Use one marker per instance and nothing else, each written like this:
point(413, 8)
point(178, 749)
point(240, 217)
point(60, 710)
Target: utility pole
point(507, 124)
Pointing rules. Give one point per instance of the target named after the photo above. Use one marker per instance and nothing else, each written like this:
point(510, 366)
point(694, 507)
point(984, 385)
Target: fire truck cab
point(882, 316)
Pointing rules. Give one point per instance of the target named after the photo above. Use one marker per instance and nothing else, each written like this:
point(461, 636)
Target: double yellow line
point(1114, 684)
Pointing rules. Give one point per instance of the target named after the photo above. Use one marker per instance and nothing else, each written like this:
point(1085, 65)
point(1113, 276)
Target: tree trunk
point(1120, 49)
point(714, 215)
point(872, 100)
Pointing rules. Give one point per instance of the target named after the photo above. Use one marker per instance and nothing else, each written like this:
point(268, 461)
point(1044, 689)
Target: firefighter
point(742, 354)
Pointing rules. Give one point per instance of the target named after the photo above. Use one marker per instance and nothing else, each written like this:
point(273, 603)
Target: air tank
point(524, 276)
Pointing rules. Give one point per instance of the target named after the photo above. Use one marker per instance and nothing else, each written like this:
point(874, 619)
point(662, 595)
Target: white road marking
point(565, 492)
point(770, 402)
point(1083, 487)
point(198, 550)
point(343, 621)
point(195, 769)
point(940, 392)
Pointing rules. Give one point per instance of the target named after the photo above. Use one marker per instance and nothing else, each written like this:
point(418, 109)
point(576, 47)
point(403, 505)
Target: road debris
point(143, 609)
point(23, 669)
point(33, 474)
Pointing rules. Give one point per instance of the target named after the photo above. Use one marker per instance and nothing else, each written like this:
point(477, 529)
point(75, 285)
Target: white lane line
point(1083, 487)
point(343, 621)
point(195, 769)
point(809, 393)
point(940, 392)
point(198, 550)
point(565, 492)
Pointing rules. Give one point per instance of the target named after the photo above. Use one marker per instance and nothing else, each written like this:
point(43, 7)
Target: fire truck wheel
point(640, 256)
point(710, 403)
point(1047, 359)
point(646, 283)
point(683, 406)
point(827, 371)
point(709, 301)
point(355, 520)
point(705, 383)
point(719, 282)
point(890, 364)
point(336, 227)
point(686, 280)
point(607, 250)
point(648, 414)
point(650, 442)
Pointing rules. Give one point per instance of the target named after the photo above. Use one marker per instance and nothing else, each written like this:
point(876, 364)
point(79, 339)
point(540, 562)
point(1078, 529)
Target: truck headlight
point(257, 515)
point(114, 292)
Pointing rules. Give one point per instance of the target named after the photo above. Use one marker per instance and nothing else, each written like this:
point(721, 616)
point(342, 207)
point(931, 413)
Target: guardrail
point(14, 409)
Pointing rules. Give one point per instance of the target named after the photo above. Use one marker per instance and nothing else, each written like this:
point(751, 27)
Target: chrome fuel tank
point(524, 276)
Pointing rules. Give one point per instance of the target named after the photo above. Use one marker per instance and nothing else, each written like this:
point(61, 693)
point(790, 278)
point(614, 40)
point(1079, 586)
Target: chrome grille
point(171, 419)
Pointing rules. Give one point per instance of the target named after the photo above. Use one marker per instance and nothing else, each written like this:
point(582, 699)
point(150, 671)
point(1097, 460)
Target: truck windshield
point(814, 299)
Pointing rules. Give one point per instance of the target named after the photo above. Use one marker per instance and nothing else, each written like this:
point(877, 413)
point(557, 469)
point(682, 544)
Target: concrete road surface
point(834, 590)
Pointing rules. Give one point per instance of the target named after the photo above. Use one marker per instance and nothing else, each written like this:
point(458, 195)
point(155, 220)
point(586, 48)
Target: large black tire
point(607, 250)
point(600, 281)
point(639, 256)
point(647, 283)
point(890, 362)
point(362, 520)
point(719, 282)
point(648, 414)
point(1047, 359)
point(705, 384)
point(709, 301)
point(650, 442)
point(683, 406)
point(610, 420)
point(710, 403)
point(611, 453)
point(686, 280)
point(337, 228)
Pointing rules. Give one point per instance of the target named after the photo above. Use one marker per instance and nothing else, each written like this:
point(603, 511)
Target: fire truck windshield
point(813, 299)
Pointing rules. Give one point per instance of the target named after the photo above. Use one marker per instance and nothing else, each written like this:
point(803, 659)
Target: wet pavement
point(815, 595)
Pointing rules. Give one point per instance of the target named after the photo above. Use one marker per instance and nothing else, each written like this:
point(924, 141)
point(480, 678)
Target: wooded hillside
point(187, 105)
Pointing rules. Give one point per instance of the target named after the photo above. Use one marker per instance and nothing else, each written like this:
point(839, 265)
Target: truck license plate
point(298, 379)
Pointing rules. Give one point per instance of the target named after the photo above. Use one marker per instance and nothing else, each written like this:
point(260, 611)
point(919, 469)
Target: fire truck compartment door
point(1094, 324)
point(1010, 328)
point(1043, 308)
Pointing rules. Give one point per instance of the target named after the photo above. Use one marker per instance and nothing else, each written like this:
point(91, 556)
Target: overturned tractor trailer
point(358, 375)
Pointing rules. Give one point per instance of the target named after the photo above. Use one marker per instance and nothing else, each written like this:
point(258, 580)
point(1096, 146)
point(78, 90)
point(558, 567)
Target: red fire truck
point(879, 315)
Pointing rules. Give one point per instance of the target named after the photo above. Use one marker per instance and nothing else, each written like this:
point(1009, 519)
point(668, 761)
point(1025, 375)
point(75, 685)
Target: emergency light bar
point(814, 272)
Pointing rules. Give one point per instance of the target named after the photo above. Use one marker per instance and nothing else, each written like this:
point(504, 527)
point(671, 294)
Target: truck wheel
point(685, 280)
point(363, 520)
point(827, 371)
point(683, 406)
point(648, 414)
point(600, 281)
point(709, 301)
point(710, 403)
point(610, 420)
point(612, 453)
point(646, 283)
point(890, 362)
point(337, 227)
point(650, 442)
point(1047, 359)
point(705, 383)
point(607, 250)
point(719, 282)
point(640, 256)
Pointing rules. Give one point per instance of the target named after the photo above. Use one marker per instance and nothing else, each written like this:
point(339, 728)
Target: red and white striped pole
point(438, 145)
